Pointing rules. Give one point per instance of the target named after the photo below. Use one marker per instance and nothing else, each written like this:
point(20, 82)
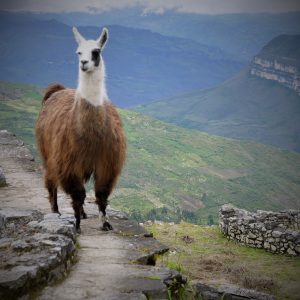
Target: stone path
point(108, 265)
point(24, 188)
point(111, 265)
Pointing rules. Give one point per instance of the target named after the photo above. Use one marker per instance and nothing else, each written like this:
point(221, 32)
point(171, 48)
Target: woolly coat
point(77, 139)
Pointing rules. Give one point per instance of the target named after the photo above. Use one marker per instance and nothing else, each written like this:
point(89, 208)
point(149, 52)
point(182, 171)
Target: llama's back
point(51, 89)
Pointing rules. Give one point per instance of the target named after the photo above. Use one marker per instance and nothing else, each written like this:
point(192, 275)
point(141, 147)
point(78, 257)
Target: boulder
point(276, 234)
point(35, 250)
point(232, 292)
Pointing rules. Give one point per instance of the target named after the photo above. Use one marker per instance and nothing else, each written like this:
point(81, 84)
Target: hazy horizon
point(210, 7)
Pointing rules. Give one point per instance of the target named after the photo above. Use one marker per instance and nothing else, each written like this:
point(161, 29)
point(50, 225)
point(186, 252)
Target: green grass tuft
point(211, 258)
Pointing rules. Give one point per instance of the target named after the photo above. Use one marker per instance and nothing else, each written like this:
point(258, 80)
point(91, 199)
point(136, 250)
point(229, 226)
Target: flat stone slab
point(118, 264)
point(230, 292)
point(35, 250)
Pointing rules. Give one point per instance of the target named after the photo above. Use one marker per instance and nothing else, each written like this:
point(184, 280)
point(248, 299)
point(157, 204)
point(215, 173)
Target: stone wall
point(277, 232)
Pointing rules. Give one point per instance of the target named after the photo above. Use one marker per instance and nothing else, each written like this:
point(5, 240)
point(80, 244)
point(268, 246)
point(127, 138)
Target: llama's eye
point(95, 54)
point(96, 57)
point(79, 53)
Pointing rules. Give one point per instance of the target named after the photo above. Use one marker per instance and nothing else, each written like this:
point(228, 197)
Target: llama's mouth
point(84, 69)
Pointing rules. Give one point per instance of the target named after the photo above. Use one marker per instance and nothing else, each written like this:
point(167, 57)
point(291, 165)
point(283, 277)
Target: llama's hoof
point(84, 216)
point(78, 230)
point(106, 226)
point(55, 211)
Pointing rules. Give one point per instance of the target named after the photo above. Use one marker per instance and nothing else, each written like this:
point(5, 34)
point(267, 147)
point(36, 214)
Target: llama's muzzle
point(83, 66)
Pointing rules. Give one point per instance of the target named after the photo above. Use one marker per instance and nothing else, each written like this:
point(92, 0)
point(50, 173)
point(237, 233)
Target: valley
point(173, 173)
point(141, 65)
point(251, 105)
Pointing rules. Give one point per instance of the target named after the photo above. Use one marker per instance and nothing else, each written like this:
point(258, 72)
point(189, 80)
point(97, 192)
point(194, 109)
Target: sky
point(154, 6)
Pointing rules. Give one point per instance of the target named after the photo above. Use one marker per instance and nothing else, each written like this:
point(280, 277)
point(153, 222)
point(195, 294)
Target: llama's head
point(89, 51)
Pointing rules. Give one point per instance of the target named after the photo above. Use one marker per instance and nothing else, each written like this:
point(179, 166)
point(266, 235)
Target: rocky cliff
point(279, 61)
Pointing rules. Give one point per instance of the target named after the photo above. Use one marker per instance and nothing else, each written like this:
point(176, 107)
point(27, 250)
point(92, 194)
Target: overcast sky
point(156, 6)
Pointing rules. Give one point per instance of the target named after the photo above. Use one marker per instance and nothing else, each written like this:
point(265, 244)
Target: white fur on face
point(89, 51)
point(91, 84)
point(84, 52)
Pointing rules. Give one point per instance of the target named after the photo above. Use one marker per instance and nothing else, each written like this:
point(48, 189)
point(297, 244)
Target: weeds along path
point(110, 265)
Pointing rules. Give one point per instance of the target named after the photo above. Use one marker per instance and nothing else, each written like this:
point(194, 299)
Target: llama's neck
point(91, 86)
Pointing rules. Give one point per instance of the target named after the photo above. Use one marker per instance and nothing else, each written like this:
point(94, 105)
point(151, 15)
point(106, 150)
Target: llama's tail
point(51, 89)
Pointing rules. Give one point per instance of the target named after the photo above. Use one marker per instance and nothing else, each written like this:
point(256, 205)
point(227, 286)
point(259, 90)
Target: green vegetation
point(206, 255)
point(285, 48)
point(245, 107)
point(174, 174)
point(19, 106)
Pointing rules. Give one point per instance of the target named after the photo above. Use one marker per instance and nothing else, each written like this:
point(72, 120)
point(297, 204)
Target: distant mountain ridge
point(141, 65)
point(279, 60)
point(245, 107)
point(241, 35)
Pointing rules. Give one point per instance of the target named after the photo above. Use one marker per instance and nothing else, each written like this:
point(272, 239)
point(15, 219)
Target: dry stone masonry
point(277, 232)
point(35, 250)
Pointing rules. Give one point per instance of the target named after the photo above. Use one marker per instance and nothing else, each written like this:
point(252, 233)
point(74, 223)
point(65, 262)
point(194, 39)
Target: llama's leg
point(82, 213)
point(76, 190)
point(52, 190)
point(102, 193)
point(78, 197)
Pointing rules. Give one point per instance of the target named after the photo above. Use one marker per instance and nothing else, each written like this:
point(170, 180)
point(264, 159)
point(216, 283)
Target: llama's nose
point(84, 62)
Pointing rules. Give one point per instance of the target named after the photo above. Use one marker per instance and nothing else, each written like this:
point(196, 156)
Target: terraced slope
point(174, 173)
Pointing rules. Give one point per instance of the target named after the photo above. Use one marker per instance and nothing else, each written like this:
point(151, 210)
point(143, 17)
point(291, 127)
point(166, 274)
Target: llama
point(79, 134)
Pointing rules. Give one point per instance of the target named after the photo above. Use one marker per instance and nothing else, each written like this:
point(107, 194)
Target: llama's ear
point(103, 38)
point(78, 37)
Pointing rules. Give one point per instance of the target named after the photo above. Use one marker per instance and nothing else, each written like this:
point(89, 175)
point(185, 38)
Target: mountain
point(174, 173)
point(241, 35)
point(141, 65)
point(257, 104)
point(279, 60)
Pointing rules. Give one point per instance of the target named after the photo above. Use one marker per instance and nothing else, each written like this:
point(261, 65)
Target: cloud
point(154, 6)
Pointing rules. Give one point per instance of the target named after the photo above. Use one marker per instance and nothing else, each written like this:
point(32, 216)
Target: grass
point(210, 258)
point(175, 174)
point(245, 107)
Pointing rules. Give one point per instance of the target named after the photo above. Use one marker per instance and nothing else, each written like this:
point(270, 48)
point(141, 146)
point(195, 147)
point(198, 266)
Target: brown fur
point(52, 88)
point(77, 140)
